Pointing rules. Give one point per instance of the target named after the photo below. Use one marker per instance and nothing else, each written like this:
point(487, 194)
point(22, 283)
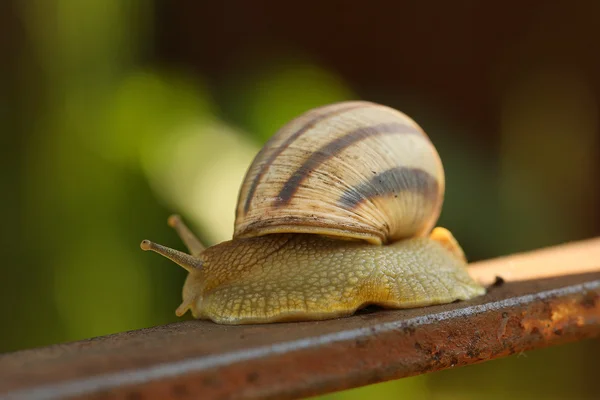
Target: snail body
point(335, 213)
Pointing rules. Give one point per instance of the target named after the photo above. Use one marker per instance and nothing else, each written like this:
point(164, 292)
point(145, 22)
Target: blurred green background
point(114, 114)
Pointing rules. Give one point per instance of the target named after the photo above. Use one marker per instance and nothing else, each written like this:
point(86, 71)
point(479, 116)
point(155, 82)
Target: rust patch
point(590, 300)
point(502, 327)
point(180, 390)
point(409, 330)
point(252, 377)
point(555, 317)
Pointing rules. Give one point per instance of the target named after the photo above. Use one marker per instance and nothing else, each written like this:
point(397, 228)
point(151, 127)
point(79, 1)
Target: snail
point(336, 212)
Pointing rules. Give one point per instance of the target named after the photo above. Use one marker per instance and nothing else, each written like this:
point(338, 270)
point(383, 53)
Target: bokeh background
point(114, 114)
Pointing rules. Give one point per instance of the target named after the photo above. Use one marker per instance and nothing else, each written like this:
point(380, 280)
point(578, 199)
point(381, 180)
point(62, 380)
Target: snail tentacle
point(190, 240)
point(186, 261)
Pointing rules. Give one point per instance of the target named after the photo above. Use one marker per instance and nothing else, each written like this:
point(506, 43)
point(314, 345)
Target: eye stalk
point(191, 241)
point(188, 262)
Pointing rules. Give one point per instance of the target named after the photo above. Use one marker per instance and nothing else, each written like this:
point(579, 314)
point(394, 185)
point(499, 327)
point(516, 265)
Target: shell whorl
point(354, 169)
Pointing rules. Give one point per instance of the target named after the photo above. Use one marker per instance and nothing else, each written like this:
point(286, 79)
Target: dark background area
point(114, 114)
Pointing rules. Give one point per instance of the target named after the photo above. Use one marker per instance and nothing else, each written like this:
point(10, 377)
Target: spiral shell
point(355, 170)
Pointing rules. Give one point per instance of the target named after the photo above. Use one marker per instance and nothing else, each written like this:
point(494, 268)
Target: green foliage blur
point(103, 137)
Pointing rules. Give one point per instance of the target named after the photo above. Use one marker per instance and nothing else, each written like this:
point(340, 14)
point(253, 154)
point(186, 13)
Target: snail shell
point(354, 170)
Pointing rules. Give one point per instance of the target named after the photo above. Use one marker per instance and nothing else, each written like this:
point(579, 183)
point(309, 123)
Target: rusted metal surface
point(566, 259)
point(198, 359)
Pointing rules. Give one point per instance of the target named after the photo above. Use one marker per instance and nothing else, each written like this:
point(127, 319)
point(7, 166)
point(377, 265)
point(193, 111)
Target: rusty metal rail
point(197, 359)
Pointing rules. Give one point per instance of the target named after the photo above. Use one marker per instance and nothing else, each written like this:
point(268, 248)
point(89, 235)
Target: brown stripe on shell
point(335, 147)
point(392, 182)
point(309, 124)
